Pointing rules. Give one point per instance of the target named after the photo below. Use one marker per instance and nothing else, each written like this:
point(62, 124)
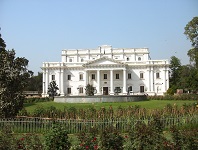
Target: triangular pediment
point(104, 61)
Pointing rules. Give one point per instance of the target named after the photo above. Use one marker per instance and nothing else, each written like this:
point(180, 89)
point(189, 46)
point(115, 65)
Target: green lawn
point(151, 104)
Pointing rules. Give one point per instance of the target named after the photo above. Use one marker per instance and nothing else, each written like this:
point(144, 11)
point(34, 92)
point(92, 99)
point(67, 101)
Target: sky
point(39, 29)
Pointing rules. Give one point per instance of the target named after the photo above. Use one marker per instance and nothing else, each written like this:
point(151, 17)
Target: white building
point(129, 69)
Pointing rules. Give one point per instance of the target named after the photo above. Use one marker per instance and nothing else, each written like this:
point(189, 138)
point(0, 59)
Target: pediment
point(103, 62)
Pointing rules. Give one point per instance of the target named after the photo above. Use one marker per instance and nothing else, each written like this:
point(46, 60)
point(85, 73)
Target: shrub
point(111, 139)
point(7, 141)
point(57, 138)
point(87, 140)
point(30, 142)
point(146, 136)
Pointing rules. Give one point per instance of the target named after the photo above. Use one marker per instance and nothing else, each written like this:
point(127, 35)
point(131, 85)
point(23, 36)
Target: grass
point(151, 104)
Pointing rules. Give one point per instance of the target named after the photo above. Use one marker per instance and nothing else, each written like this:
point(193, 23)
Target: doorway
point(105, 91)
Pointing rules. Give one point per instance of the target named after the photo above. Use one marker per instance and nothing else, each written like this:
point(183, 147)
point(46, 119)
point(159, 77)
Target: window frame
point(142, 90)
point(69, 90)
point(157, 75)
point(81, 91)
point(93, 76)
point(53, 77)
point(105, 76)
point(141, 75)
point(69, 77)
point(129, 76)
point(117, 76)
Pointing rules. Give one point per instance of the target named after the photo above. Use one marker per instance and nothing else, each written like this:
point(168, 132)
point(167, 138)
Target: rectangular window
point(117, 76)
point(81, 77)
point(118, 90)
point(105, 76)
point(93, 76)
point(130, 88)
point(141, 75)
point(68, 90)
point(157, 75)
point(141, 89)
point(81, 90)
point(53, 77)
point(69, 77)
point(129, 75)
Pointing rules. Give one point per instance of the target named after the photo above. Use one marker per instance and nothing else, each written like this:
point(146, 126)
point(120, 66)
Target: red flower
point(22, 139)
point(126, 136)
point(81, 144)
point(96, 147)
point(87, 147)
point(94, 139)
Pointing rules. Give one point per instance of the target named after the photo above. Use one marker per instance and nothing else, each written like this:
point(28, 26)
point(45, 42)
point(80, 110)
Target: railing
point(40, 125)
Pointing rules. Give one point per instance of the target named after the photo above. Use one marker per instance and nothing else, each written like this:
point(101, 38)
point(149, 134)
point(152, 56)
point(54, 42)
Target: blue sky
point(39, 29)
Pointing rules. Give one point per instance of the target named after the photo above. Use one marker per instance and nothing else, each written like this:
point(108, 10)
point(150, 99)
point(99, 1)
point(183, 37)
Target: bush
point(57, 138)
point(111, 139)
point(146, 136)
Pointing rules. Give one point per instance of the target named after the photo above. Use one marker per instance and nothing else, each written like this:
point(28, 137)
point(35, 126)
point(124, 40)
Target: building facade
point(111, 71)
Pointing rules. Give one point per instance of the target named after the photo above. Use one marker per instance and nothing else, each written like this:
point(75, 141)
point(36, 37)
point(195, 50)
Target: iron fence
point(41, 125)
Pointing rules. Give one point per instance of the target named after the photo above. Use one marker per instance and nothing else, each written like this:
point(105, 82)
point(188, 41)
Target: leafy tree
point(52, 89)
point(89, 90)
point(13, 79)
point(175, 66)
point(191, 31)
point(35, 83)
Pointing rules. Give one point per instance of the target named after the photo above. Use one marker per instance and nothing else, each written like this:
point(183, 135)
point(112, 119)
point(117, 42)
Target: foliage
point(89, 90)
point(111, 139)
point(146, 135)
point(30, 142)
point(7, 140)
point(13, 79)
point(52, 89)
point(57, 138)
point(87, 141)
point(35, 83)
point(183, 139)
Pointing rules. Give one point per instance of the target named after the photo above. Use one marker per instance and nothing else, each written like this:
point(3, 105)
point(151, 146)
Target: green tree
point(35, 83)
point(52, 89)
point(175, 66)
point(89, 90)
point(191, 31)
point(13, 79)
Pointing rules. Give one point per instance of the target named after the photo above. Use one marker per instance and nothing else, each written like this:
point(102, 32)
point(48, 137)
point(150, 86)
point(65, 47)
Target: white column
point(62, 82)
point(111, 83)
point(124, 82)
point(43, 94)
point(98, 82)
point(152, 80)
point(85, 77)
point(46, 82)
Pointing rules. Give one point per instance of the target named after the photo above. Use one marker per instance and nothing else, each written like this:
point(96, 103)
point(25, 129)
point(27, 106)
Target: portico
point(107, 76)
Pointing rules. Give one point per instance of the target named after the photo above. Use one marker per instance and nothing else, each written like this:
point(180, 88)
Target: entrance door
point(105, 91)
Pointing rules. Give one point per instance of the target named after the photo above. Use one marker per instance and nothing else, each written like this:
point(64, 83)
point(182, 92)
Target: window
point(129, 75)
point(130, 88)
point(81, 90)
point(105, 76)
point(82, 60)
point(68, 90)
point(117, 76)
point(80, 76)
point(157, 75)
point(117, 90)
point(69, 77)
point(93, 76)
point(141, 75)
point(70, 59)
point(127, 58)
point(141, 89)
point(53, 77)
point(139, 58)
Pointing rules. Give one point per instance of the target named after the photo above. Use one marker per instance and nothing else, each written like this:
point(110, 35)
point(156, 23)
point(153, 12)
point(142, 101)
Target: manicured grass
point(151, 104)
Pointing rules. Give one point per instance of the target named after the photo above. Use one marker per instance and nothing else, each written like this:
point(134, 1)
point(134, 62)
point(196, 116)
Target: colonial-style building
point(109, 70)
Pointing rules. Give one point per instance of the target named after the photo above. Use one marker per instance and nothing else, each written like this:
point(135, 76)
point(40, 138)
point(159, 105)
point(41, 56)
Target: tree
point(35, 83)
point(13, 79)
point(191, 31)
point(52, 89)
point(90, 90)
